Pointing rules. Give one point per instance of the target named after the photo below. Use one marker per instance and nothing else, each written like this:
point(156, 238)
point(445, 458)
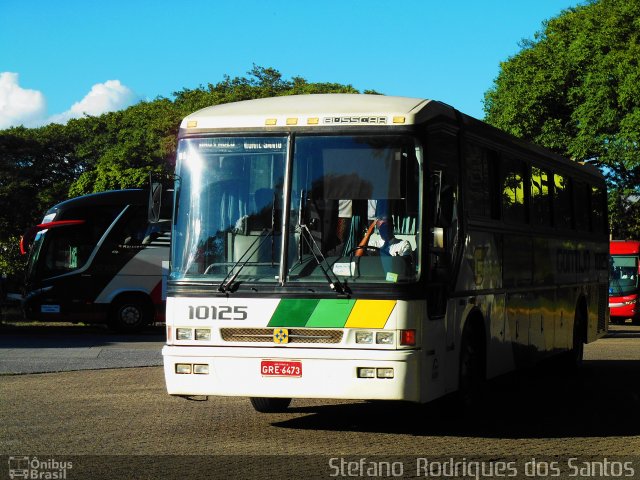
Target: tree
point(40, 167)
point(121, 148)
point(575, 88)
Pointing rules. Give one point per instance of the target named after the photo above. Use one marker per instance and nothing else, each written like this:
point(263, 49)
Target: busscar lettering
point(352, 120)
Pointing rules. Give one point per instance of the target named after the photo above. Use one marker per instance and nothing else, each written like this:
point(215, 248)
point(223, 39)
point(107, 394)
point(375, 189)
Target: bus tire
point(574, 356)
point(472, 370)
point(130, 313)
point(269, 405)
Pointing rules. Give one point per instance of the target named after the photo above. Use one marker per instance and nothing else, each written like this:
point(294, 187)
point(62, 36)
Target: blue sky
point(61, 59)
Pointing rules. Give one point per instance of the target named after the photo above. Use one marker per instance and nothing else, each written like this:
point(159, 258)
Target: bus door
point(443, 230)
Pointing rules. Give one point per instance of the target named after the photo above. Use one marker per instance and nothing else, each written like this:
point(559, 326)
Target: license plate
point(277, 368)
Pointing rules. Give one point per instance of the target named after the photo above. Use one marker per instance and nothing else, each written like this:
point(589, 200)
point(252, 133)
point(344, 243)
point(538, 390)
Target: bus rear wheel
point(130, 314)
point(472, 372)
point(270, 405)
point(573, 358)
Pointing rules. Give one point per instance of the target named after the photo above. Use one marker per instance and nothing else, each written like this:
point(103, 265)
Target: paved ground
point(28, 348)
point(120, 423)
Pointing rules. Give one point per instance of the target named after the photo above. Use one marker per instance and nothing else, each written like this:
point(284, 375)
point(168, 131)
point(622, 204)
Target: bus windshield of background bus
point(59, 250)
point(623, 275)
point(229, 209)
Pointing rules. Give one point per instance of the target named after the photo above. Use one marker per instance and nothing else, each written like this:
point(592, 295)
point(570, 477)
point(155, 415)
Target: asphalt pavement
point(37, 348)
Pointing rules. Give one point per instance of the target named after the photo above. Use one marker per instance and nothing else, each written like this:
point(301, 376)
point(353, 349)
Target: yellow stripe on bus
point(370, 314)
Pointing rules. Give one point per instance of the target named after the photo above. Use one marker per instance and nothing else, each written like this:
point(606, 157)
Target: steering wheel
point(363, 247)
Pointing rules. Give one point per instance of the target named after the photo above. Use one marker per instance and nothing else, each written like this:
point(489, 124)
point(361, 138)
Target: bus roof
point(112, 197)
point(308, 110)
point(624, 247)
point(320, 111)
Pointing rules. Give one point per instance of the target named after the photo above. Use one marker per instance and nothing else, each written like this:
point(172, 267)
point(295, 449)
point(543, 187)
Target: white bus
point(97, 258)
point(372, 247)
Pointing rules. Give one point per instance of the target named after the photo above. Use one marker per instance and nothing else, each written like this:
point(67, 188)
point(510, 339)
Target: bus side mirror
point(155, 202)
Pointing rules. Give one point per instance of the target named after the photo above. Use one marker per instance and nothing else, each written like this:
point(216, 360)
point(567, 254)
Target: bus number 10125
point(223, 312)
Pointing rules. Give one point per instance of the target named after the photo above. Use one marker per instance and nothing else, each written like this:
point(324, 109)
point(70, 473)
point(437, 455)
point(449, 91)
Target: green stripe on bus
point(331, 313)
point(292, 312)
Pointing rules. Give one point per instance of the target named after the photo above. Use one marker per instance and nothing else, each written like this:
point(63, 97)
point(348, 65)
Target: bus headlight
point(366, 372)
point(364, 337)
point(201, 369)
point(384, 338)
point(183, 368)
point(184, 334)
point(203, 334)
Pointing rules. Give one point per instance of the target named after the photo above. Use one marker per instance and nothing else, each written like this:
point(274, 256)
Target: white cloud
point(103, 97)
point(19, 106)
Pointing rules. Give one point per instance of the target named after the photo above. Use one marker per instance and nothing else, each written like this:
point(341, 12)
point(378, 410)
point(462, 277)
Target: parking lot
point(116, 422)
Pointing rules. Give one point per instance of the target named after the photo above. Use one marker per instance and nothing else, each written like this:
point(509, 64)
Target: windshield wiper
point(226, 284)
point(224, 287)
point(335, 285)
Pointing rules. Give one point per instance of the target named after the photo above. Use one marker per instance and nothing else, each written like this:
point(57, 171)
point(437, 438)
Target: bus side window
point(444, 229)
point(540, 197)
point(598, 212)
point(562, 201)
point(513, 191)
point(480, 167)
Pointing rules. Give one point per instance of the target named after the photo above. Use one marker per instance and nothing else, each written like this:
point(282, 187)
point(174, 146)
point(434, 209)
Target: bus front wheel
point(130, 314)
point(270, 405)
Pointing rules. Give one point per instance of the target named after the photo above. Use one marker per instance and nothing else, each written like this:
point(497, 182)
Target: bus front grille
point(296, 335)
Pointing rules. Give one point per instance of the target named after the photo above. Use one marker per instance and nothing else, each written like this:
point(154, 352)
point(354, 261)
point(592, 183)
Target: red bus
point(623, 281)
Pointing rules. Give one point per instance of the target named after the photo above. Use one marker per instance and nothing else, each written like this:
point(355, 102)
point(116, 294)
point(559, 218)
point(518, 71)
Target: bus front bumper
point(293, 372)
point(624, 307)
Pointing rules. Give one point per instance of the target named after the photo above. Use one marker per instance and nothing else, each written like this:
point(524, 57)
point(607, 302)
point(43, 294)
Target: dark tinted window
point(598, 210)
point(513, 192)
point(562, 201)
point(540, 196)
point(581, 202)
point(479, 168)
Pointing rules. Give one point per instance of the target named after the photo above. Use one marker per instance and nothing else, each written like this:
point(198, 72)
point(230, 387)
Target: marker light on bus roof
point(399, 119)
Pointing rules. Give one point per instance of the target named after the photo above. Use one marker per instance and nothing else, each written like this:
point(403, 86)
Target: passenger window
point(598, 210)
point(513, 192)
point(562, 201)
point(540, 197)
point(581, 202)
point(479, 165)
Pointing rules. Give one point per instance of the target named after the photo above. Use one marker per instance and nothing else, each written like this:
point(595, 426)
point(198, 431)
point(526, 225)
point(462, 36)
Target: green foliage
point(40, 167)
point(575, 88)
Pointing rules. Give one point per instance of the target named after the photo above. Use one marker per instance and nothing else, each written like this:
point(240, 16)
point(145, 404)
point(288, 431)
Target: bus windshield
point(352, 214)
point(59, 250)
point(623, 275)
